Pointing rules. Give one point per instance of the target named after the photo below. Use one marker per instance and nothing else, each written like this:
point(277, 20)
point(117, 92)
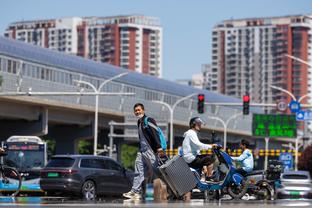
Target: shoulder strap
point(147, 123)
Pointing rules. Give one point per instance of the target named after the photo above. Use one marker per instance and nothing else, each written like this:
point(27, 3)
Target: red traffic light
point(246, 98)
point(201, 97)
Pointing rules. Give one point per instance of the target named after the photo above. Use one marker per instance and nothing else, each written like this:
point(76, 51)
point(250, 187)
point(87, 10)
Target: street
point(65, 202)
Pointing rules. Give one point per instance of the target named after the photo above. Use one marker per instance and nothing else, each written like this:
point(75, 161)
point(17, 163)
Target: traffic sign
point(287, 160)
point(304, 115)
point(294, 106)
point(282, 106)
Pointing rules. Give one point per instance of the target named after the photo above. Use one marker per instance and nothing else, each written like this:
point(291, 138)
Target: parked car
point(85, 175)
point(295, 184)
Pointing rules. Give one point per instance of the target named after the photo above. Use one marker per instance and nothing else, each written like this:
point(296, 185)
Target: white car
point(295, 184)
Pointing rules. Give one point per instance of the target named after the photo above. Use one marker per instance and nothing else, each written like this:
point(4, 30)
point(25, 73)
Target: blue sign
point(294, 106)
point(287, 160)
point(304, 115)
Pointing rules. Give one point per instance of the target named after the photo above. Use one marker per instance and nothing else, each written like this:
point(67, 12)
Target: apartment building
point(133, 42)
point(248, 57)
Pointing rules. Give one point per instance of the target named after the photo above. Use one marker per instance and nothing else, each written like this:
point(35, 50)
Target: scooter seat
point(257, 172)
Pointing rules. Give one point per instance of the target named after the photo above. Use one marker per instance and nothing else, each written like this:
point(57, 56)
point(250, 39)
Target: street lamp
point(225, 125)
point(171, 110)
point(300, 99)
point(97, 91)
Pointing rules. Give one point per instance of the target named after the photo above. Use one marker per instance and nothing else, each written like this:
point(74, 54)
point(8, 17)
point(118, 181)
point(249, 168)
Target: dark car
point(85, 175)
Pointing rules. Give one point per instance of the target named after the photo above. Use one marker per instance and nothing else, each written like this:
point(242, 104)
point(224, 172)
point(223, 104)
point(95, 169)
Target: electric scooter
point(228, 178)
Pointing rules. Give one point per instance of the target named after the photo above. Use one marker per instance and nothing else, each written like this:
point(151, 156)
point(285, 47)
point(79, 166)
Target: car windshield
point(25, 159)
point(61, 162)
point(295, 176)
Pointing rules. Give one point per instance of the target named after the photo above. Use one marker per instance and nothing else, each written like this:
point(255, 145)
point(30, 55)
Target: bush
point(128, 155)
point(305, 161)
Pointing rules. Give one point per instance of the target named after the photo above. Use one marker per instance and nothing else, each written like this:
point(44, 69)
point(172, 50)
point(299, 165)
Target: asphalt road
point(112, 203)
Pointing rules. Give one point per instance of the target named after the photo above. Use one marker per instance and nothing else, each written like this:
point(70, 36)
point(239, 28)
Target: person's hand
point(214, 146)
point(160, 152)
point(2, 150)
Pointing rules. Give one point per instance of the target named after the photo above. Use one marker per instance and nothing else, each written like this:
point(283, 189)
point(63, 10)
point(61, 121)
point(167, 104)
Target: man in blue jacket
point(246, 158)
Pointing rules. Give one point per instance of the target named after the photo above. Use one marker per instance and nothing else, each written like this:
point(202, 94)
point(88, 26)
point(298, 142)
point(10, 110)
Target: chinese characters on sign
point(273, 126)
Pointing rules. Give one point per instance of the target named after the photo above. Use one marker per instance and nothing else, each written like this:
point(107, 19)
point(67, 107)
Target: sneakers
point(132, 195)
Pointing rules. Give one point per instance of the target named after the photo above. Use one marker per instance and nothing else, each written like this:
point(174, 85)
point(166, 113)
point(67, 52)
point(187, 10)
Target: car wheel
point(88, 190)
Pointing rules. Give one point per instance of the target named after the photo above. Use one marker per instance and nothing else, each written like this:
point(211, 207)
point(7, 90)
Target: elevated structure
point(67, 118)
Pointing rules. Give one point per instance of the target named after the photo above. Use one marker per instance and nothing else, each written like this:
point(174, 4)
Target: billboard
point(274, 126)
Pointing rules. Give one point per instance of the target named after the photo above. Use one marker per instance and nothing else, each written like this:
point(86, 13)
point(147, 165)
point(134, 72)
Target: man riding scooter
point(191, 150)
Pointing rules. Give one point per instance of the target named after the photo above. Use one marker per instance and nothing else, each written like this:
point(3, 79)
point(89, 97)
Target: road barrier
point(237, 152)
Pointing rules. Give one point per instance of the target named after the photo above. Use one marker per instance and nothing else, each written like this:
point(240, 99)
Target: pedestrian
point(246, 158)
point(149, 147)
point(191, 147)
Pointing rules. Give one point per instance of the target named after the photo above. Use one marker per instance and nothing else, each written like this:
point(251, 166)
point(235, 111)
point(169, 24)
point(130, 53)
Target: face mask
point(140, 116)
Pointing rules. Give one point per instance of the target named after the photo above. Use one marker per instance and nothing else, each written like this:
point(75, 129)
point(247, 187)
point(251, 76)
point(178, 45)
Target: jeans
point(145, 164)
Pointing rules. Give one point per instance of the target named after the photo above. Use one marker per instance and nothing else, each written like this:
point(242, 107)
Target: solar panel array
point(74, 63)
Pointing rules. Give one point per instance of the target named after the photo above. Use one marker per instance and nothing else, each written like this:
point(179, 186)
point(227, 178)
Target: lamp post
point(97, 90)
point(225, 124)
point(171, 110)
point(300, 99)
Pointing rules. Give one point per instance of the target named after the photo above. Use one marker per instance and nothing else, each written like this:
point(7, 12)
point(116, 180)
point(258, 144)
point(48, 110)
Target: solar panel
point(74, 63)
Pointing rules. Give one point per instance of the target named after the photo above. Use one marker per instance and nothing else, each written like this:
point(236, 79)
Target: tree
point(128, 155)
point(1, 80)
point(85, 147)
point(305, 161)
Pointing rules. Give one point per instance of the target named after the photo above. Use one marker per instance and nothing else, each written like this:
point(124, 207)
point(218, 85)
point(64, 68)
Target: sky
point(187, 25)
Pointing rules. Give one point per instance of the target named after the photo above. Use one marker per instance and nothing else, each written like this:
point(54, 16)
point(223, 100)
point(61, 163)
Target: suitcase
point(178, 176)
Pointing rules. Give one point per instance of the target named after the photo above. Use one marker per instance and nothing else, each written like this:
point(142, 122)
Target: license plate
point(295, 193)
point(53, 174)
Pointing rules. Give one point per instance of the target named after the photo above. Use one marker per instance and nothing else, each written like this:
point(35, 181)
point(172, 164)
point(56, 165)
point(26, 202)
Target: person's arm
point(194, 139)
point(241, 158)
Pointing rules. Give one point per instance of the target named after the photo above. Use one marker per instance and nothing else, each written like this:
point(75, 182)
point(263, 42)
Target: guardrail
point(237, 152)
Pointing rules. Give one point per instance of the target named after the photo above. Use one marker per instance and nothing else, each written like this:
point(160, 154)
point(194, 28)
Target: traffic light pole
point(171, 110)
point(297, 138)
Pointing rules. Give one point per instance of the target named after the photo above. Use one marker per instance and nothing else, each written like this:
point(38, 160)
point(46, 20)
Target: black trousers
point(241, 171)
point(202, 160)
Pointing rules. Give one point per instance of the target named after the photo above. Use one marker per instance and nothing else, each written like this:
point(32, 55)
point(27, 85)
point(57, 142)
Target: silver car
point(295, 184)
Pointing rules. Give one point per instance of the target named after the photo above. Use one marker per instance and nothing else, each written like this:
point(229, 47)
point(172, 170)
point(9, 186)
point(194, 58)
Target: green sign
point(273, 126)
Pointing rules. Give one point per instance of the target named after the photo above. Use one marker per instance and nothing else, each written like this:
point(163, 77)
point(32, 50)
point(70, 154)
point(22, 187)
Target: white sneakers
point(132, 195)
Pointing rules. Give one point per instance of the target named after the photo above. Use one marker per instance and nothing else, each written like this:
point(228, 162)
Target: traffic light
point(201, 103)
point(246, 100)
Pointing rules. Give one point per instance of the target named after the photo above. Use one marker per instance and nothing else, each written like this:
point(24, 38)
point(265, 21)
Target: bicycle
point(10, 178)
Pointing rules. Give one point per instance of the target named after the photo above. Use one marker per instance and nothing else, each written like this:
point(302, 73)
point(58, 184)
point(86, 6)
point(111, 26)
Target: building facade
point(248, 57)
point(133, 42)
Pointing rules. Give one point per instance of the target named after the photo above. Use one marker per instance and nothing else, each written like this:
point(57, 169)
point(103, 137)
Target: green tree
point(85, 147)
point(1, 80)
point(305, 161)
point(128, 155)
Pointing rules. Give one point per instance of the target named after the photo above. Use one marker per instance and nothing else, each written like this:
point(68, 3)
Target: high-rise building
point(248, 57)
point(208, 81)
point(133, 42)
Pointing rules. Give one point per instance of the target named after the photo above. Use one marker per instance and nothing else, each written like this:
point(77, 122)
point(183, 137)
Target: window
point(113, 165)
point(12, 66)
point(61, 162)
point(93, 163)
